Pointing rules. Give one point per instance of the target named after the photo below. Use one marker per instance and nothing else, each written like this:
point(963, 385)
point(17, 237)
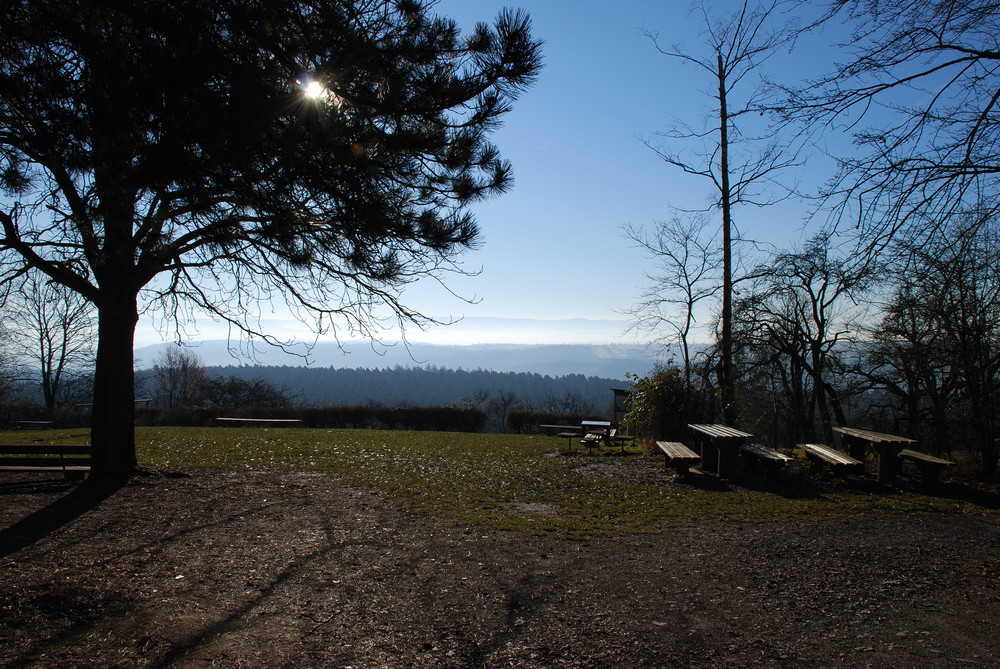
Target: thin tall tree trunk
point(726, 384)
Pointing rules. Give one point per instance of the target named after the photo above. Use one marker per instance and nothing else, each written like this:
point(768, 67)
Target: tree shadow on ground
point(798, 482)
point(978, 493)
point(705, 481)
point(81, 498)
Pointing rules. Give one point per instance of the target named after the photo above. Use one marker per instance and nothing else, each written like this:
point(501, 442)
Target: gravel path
point(263, 569)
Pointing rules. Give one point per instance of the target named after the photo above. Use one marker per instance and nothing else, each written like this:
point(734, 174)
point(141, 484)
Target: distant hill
point(609, 361)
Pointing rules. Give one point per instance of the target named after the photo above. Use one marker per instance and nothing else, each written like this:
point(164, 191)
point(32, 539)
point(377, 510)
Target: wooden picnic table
point(885, 446)
point(595, 432)
point(719, 446)
point(259, 421)
point(556, 429)
point(35, 424)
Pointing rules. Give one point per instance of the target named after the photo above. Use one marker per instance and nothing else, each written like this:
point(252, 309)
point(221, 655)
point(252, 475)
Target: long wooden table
point(719, 446)
point(886, 447)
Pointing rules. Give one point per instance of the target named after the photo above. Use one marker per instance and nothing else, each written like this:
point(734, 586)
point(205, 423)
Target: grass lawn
point(519, 482)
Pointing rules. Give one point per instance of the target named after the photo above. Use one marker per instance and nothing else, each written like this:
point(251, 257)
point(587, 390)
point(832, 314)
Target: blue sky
point(555, 264)
point(554, 247)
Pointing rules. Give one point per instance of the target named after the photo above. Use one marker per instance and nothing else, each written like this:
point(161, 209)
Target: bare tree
point(910, 358)
point(955, 281)
point(686, 256)
point(498, 406)
point(178, 376)
point(736, 45)
point(51, 329)
point(801, 310)
point(917, 88)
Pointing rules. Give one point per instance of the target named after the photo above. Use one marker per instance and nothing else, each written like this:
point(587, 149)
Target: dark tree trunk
point(112, 431)
point(726, 381)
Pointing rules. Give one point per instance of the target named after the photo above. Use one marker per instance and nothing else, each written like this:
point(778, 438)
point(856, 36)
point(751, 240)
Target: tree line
point(178, 389)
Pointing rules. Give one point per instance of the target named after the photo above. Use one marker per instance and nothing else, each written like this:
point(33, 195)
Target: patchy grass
point(521, 482)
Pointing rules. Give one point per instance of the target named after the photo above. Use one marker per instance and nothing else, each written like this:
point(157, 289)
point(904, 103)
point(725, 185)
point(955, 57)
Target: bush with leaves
point(661, 405)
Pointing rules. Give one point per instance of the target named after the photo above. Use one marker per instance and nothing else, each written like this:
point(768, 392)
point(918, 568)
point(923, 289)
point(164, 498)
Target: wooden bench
point(569, 437)
point(35, 424)
point(769, 459)
point(593, 440)
point(930, 466)
point(615, 438)
point(840, 463)
point(678, 456)
point(72, 460)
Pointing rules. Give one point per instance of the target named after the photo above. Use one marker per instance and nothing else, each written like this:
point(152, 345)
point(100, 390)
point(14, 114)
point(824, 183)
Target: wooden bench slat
point(769, 459)
point(66, 458)
point(592, 440)
point(677, 451)
point(678, 456)
point(841, 463)
point(872, 436)
point(55, 449)
point(917, 456)
point(763, 452)
point(259, 421)
point(930, 466)
point(719, 431)
point(22, 461)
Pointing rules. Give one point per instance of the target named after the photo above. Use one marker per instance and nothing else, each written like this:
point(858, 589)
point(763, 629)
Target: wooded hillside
point(429, 386)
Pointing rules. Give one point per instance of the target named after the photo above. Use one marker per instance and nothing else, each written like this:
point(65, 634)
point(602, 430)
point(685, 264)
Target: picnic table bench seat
point(258, 421)
point(35, 424)
point(840, 463)
point(769, 459)
point(569, 436)
point(556, 429)
point(678, 456)
point(592, 440)
point(72, 460)
point(929, 465)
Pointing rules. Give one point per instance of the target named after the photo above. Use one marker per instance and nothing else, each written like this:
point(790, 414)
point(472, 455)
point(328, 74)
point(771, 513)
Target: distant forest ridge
point(612, 361)
point(429, 386)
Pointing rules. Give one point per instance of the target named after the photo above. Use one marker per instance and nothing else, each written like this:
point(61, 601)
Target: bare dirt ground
point(263, 569)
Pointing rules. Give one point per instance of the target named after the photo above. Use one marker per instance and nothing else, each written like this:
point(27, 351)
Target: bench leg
point(817, 464)
point(855, 447)
point(887, 467)
point(929, 473)
point(709, 456)
point(771, 469)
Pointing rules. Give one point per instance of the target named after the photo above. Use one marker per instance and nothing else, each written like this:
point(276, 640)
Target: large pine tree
point(216, 154)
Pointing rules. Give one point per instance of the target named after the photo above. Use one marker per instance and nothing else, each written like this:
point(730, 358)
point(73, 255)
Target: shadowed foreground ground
point(263, 569)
